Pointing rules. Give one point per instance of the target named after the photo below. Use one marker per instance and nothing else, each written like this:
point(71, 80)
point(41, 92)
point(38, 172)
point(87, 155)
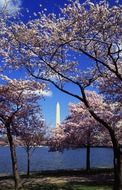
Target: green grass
point(66, 187)
point(95, 180)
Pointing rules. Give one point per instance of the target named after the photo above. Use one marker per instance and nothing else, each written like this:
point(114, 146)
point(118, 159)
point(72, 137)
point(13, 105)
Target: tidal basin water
point(42, 159)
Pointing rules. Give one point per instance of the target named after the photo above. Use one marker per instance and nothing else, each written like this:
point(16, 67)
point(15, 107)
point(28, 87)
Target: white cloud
point(5, 78)
point(45, 93)
point(12, 6)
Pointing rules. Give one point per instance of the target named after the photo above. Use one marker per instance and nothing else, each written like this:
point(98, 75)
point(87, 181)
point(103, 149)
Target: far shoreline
point(39, 146)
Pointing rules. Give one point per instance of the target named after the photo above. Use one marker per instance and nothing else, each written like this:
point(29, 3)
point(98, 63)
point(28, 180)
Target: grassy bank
point(65, 186)
point(63, 180)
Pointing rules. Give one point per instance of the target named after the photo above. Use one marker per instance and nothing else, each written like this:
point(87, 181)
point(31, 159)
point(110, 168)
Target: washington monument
point(57, 114)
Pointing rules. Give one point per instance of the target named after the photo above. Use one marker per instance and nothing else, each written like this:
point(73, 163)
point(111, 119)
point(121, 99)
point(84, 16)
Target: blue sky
point(49, 102)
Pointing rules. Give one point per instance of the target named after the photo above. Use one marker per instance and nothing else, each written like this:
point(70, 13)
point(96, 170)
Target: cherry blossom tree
point(17, 97)
point(31, 130)
point(81, 129)
point(72, 134)
point(45, 47)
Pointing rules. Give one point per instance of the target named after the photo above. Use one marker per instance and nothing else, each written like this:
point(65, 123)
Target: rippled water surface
point(42, 159)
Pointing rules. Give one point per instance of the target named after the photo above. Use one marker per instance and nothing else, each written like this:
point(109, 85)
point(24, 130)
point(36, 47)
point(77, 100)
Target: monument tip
point(57, 114)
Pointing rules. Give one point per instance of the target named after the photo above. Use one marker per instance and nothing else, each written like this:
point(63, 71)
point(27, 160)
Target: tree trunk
point(13, 157)
point(121, 169)
point(116, 148)
point(88, 158)
point(117, 169)
point(28, 162)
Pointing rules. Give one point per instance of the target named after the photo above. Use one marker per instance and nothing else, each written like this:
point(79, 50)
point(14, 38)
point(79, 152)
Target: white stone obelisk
point(57, 114)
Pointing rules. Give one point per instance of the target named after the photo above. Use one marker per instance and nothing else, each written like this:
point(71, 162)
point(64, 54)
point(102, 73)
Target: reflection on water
point(43, 160)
